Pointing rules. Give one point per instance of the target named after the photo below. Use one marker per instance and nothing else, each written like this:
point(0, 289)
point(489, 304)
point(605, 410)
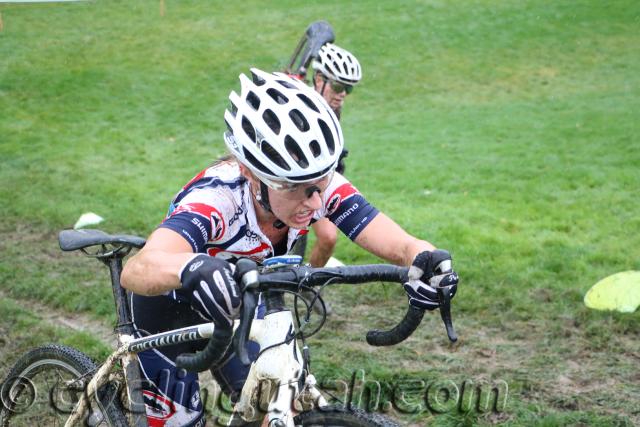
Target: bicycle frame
point(279, 368)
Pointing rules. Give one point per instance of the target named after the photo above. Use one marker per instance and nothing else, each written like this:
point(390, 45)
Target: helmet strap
point(324, 82)
point(324, 86)
point(262, 196)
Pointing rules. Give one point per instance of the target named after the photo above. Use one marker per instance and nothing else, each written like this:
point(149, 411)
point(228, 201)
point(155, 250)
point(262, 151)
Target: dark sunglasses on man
point(338, 87)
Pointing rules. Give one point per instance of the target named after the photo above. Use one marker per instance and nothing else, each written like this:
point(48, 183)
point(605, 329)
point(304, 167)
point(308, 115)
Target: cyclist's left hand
point(429, 271)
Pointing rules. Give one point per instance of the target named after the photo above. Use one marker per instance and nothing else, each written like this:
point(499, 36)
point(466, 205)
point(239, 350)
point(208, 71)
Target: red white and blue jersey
point(215, 213)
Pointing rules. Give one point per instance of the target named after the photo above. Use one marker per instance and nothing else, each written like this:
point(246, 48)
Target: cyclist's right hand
point(214, 292)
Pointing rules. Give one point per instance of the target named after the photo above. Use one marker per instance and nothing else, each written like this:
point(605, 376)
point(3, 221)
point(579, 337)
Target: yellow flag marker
point(620, 291)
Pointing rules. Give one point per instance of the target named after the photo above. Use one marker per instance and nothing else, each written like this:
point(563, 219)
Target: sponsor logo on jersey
point(186, 234)
point(217, 225)
point(239, 211)
point(333, 204)
point(340, 194)
point(257, 253)
point(203, 230)
point(346, 214)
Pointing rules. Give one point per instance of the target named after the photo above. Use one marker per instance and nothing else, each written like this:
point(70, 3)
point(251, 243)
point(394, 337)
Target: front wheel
point(339, 416)
point(45, 384)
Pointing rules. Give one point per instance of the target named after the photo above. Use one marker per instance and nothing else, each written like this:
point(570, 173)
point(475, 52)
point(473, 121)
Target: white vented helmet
point(282, 130)
point(338, 64)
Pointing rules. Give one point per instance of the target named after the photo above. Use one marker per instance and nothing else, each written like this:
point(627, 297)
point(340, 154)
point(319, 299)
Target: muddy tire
point(44, 385)
point(338, 416)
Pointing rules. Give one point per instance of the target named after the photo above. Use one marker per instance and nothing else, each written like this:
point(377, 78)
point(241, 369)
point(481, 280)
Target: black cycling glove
point(429, 271)
point(214, 292)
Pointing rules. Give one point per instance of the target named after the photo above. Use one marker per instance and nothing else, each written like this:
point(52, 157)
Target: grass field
point(505, 131)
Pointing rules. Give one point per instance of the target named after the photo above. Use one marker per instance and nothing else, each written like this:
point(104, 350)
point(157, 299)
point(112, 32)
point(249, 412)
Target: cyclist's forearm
point(386, 239)
point(153, 272)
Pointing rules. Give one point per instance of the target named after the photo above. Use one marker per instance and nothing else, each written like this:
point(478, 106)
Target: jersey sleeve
point(200, 217)
point(347, 208)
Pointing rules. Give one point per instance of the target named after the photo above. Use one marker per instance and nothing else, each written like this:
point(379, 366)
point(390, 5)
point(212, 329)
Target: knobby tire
point(25, 401)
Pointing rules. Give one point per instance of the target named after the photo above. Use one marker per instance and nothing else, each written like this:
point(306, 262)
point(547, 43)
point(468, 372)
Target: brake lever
point(444, 298)
point(240, 338)
point(246, 274)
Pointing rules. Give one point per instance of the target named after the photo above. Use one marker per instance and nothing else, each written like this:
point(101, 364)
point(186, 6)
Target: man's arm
point(326, 237)
point(155, 269)
point(386, 239)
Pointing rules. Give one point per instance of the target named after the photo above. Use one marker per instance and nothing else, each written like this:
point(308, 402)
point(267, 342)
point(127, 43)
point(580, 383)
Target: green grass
point(23, 329)
point(505, 131)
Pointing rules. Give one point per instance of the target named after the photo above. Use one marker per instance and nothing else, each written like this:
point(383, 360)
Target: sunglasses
point(291, 191)
point(338, 87)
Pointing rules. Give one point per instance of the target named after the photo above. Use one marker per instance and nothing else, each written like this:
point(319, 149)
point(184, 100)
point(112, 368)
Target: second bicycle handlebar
point(292, 279)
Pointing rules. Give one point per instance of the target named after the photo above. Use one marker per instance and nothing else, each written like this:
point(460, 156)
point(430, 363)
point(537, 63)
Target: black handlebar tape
point(249, 303)
point(444, 297)
point(373, 273)
point(318, 276)
point(400, 332)
point(212, 353)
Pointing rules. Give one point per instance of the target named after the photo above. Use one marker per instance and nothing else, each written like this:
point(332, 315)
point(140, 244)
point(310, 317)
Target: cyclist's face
point(296, 205)
point(325, 88)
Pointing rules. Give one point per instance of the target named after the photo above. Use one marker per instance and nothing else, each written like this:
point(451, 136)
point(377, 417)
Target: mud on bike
point(58, 385)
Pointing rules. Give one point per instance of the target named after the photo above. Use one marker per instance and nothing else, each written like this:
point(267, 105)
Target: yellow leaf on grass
point(620, 291)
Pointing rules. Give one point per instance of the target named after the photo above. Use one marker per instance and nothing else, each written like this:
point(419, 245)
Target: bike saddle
point(71, 240)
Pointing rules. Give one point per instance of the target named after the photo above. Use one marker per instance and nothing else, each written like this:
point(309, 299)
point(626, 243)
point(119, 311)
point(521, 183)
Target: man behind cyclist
point(284, 142)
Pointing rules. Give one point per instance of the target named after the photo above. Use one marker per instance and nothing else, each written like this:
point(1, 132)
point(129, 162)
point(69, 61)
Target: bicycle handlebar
point(211, 355)
point(291, 279)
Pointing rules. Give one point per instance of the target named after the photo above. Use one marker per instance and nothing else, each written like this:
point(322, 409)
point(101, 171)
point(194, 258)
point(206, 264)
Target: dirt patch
point(74, 321)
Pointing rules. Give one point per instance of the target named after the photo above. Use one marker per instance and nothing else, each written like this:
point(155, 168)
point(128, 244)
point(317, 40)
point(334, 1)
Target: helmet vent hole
point(255, 162)
point(233, 109)
point(248, 129)
point(295, 152)
point(309, 103)
point(298, 119)
point(326, 132)
point(271, 120)
point(315, 148)
point(253, 100)
point(274, 156)
point(258, 81)
point(277, 96)
point(286, 84)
